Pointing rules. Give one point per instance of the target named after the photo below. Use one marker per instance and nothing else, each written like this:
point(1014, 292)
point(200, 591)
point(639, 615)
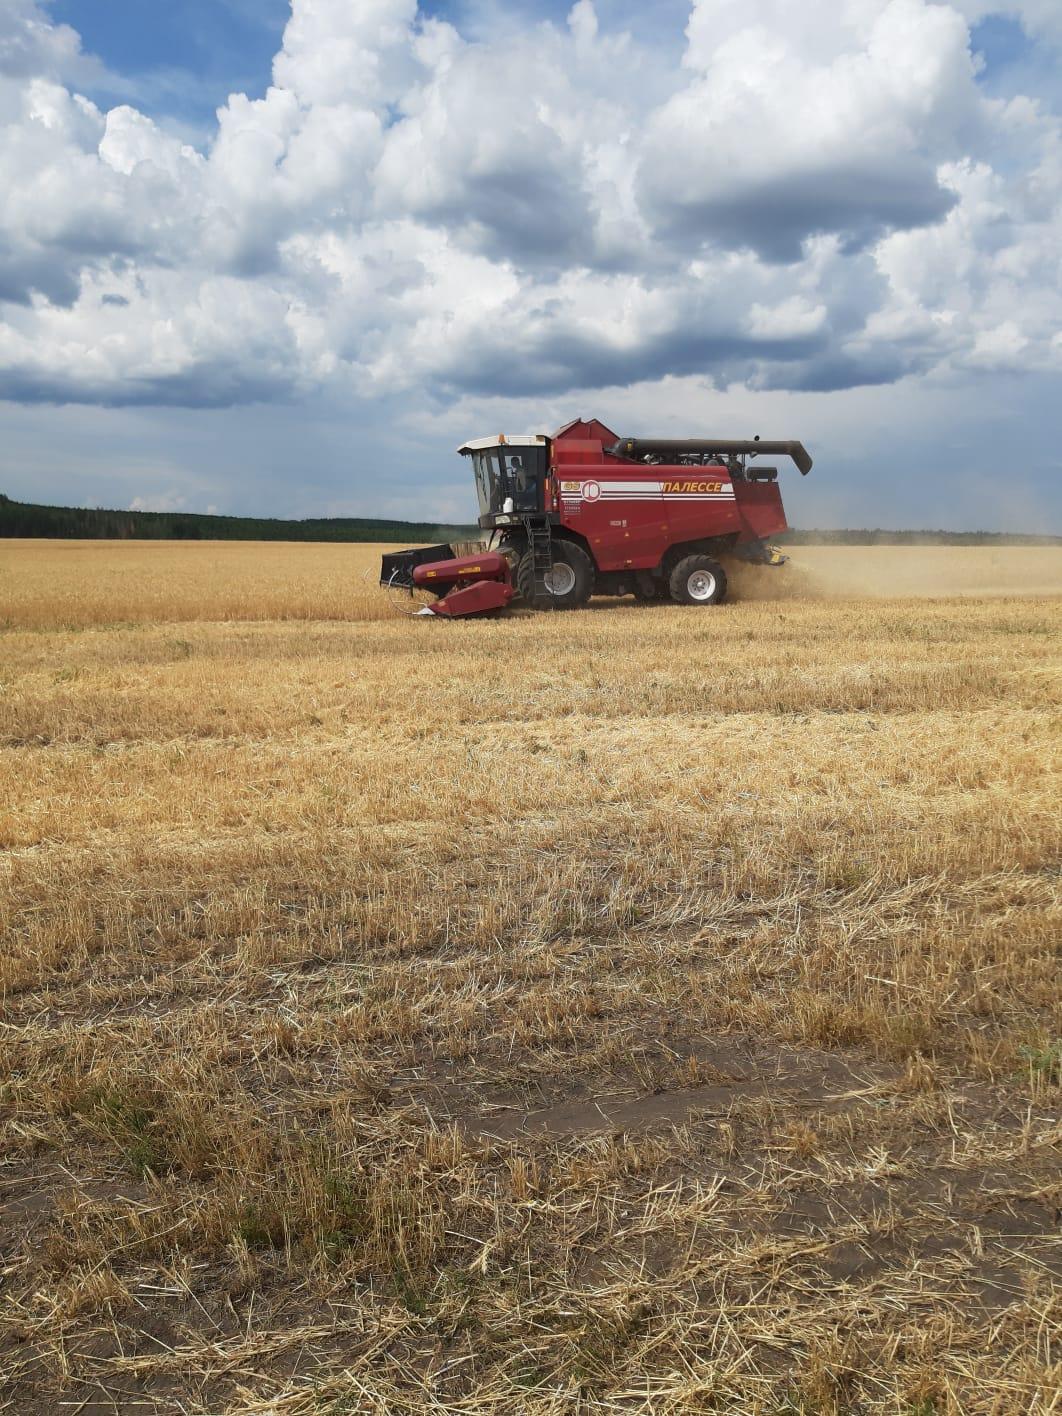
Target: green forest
point(867, 537)
point(91, 523)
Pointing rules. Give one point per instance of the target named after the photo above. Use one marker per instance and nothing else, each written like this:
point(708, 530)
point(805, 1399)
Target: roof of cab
point(501, 440)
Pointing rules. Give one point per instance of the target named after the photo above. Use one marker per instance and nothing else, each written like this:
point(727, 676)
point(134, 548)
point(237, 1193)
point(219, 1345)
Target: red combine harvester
point(588, 513)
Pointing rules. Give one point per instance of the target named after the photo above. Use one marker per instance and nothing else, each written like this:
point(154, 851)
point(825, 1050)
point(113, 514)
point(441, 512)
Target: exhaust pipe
point(637, 448)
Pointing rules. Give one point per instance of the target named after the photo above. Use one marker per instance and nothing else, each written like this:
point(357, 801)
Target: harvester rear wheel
point(569, 584)
point(698, 580)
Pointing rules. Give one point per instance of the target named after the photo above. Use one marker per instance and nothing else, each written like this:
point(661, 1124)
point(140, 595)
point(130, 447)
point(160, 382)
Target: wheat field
point(641, 1009)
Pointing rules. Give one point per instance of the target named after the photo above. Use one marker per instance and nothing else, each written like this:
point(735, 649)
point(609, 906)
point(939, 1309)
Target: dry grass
point(82, 584)
point(634, 1010)
point(114, 584)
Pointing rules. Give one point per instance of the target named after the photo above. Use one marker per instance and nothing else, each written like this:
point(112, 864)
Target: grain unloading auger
point(588, 513)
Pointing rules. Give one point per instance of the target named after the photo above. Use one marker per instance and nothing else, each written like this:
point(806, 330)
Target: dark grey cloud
point(25, 270)
point(777, 218)
point(513, 366)
point(209, 384)
point(833, 371)
point(536, 216)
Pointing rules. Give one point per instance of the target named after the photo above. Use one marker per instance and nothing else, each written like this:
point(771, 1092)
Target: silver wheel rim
point(560, 579)
point(701, 585)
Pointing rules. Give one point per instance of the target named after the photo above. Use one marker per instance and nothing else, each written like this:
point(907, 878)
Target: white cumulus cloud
point(814, 197)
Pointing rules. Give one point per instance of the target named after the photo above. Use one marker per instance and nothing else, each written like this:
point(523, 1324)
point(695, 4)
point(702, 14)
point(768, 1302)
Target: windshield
point(503, 472)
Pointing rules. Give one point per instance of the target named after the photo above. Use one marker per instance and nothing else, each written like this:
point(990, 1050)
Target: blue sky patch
point(1001, 42)
point(182, 58)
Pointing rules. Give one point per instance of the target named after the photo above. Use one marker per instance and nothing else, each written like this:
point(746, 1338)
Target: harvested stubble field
point(641, 1009)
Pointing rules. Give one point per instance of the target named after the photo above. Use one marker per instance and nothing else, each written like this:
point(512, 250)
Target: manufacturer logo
point(591, 491)
point(701, 487)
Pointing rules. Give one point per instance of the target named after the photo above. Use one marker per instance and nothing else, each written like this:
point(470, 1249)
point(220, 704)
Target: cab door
point(523, 475)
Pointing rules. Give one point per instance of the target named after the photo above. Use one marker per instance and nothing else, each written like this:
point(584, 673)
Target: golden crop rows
point(639, 1009)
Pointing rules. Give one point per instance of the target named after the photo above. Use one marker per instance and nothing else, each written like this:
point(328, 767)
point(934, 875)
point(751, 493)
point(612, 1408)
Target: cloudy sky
point(272, 258)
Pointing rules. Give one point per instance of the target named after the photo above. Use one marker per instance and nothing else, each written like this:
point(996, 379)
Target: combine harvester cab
point(586, 512)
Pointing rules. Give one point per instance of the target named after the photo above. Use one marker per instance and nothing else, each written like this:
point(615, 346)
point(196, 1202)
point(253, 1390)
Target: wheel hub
point(701, 585)
point(559, 580)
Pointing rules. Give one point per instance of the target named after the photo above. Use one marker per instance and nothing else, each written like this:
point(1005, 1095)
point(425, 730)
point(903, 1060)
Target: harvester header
point(585, 512)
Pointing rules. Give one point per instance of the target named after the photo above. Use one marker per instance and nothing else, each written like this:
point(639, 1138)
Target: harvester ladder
point(540, 548)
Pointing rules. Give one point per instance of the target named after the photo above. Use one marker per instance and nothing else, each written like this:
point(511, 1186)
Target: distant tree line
point(90, 523)
point(917, 538)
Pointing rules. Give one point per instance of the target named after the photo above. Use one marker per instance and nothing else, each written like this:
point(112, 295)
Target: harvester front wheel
point(698, 580)
point(568, 584)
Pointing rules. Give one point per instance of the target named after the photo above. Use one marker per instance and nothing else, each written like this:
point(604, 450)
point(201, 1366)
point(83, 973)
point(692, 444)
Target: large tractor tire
point(569, 583)
point(698, 580)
